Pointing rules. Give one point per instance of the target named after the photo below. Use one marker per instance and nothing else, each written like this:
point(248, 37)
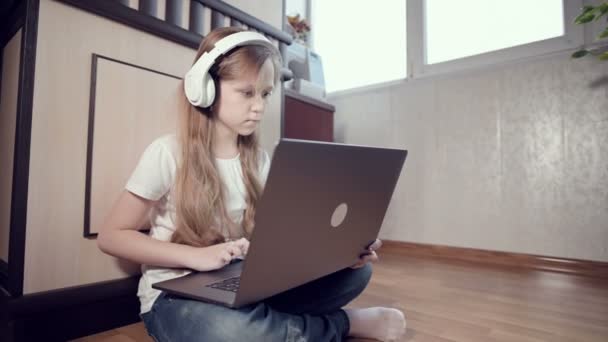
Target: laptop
point(322, 206)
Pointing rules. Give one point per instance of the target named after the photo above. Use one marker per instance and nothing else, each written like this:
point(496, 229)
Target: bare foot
point(384, 324)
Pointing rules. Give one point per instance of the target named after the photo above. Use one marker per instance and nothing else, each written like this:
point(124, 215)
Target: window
point(359, 48)
point(456, 29)
point(363, 43)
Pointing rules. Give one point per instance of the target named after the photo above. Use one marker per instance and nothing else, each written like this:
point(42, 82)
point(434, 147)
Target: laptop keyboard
point(230, 284)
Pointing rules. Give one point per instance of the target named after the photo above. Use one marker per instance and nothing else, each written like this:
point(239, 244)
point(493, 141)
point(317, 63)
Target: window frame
point(574, 37)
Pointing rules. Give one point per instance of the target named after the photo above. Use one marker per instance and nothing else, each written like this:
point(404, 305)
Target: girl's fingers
point(372, 257)
point(234, 250)
point(376, 245)
point(225, 257)
point(243, 244)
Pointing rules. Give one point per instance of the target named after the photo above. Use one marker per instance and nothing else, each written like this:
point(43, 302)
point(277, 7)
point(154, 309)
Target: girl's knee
point(362, 275)
point(255, 323)
point(356, 280)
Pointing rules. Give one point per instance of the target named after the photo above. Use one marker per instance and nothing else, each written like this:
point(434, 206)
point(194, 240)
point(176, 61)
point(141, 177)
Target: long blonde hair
point(201, 213)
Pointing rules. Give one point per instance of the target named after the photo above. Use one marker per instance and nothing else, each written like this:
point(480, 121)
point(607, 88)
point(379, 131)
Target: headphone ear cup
point(193, 88)
point(208, 91)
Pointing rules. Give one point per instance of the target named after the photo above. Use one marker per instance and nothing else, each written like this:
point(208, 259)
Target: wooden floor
point(447, 300)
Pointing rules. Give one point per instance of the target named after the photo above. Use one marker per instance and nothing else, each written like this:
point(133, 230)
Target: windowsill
point(366, 88)
point(469, 70)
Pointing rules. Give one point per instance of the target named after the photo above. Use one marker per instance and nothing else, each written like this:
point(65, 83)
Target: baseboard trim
point(65, 314)
point(516, 260)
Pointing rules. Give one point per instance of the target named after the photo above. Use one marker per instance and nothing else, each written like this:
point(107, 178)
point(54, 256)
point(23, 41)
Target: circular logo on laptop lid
point(339, 215)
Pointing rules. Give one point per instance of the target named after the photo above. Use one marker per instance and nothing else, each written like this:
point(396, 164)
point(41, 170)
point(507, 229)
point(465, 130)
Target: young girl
point(202, 186)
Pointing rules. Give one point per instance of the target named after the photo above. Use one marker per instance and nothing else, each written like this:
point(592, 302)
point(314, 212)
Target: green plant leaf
point(584, 18)
point(586, 9)
point(603, 34)
point(604, 56)
point(580, 53)
point(601, 11)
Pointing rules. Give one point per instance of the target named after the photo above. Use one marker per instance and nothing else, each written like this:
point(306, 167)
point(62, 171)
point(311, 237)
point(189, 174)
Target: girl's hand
point(369, 255)
point(217, 256)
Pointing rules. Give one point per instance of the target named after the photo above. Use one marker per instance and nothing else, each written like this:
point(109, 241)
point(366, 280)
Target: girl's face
point(242, 101)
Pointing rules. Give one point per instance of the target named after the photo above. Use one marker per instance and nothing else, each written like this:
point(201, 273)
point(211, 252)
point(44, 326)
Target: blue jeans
point(310, 312)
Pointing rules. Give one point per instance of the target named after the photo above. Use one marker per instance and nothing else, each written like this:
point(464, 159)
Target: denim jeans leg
point(324, 295)
point(177, 319)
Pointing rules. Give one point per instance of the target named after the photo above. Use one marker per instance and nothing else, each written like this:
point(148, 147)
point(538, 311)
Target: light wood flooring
point(447, 300)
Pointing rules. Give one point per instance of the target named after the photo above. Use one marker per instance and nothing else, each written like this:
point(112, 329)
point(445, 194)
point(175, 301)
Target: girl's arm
point(119, 236)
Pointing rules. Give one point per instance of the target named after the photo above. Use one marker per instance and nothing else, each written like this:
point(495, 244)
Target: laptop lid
point(323, 204)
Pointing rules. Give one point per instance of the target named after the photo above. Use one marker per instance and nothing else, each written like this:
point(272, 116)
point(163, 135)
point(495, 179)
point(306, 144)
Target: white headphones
point(198, 83)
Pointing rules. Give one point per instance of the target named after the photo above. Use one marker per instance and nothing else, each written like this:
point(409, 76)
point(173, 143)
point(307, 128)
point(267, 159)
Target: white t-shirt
point(154, 179)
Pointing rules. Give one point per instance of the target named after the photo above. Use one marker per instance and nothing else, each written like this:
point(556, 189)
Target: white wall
point(510, 159)
point(300, 7)
point(269, 11)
